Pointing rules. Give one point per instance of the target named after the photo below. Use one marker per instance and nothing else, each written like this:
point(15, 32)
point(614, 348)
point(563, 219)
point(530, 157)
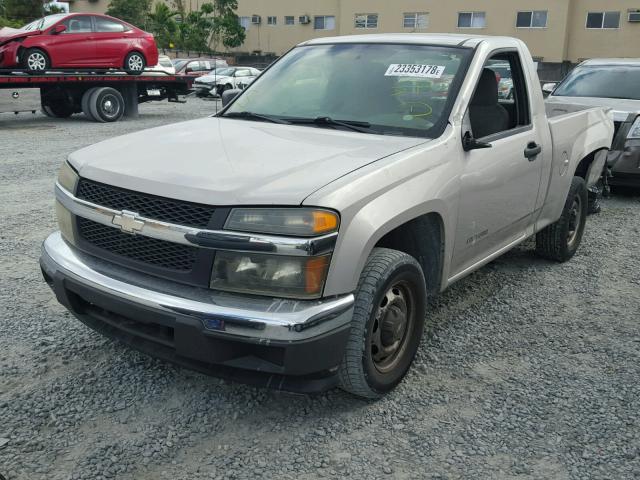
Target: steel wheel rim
point(575, 218)
point(110, 106)
point(391, 327)
point(36, 61)
point(135, 63)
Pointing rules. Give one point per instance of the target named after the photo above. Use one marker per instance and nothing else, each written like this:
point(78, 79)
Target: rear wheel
point(106, 104)
point(134, 63)
point(560, 240)
point(86, 99)
point(58, 108)
point(387, 324)
point(35, 60)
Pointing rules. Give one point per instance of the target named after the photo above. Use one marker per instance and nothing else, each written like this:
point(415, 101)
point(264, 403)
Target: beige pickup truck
point(292, 239)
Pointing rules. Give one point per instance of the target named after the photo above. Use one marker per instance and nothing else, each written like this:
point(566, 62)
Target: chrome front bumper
point(256, 319)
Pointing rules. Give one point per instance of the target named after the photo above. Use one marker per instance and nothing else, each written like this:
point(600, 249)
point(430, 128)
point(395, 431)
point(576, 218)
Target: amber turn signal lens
point(324, 221)
point(315, 274)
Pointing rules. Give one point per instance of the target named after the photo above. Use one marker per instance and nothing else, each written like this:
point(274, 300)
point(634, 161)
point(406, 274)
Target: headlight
point(634, 131)
point(293, 277)
point(67, 177)
point(65, 222)
point(302, 222)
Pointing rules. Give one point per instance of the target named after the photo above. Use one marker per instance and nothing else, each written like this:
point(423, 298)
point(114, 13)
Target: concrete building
point(556, 31)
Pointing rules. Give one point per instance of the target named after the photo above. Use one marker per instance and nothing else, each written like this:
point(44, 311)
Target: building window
point(245, 22)
point(534, 19)
point(366, 20)
point(472, 20)
point(415, 20)
point(272, 20)
point(289, 20)
point(603, 20)
point(324, 22)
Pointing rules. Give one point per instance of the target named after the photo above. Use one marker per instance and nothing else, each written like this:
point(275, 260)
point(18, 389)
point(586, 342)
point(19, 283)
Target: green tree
point(136, 12)
point(23, 11)
point(163, 25)
point(51, 9)
point(226, 28)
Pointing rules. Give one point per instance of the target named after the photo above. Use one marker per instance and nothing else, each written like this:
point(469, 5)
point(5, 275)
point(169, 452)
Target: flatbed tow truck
point(103, 96)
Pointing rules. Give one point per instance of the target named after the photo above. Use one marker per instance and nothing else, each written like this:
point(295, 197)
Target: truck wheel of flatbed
point(106, 104)
point(57, 109)
point(560, 240)
point(86, 98)
point(387, 324)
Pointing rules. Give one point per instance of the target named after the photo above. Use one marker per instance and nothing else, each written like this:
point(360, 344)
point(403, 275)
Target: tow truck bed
point(64, 93)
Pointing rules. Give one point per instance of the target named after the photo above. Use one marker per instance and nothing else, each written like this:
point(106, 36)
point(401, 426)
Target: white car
point(165, 65)
point(221, 79)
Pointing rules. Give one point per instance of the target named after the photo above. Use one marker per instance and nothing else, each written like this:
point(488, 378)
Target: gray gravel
point(530, 370)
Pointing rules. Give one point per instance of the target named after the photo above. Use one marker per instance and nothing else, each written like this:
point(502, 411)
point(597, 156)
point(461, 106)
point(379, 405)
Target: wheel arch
point(402, 230)
point(24, 48)
point(423, 238)
point(583, 168)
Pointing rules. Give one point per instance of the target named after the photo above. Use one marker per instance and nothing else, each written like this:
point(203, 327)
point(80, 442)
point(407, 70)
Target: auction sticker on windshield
point(414, 70)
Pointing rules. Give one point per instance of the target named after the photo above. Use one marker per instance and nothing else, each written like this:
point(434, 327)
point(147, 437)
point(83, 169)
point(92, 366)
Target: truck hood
point(8, 34)
point(620, 107)
point(222, 161)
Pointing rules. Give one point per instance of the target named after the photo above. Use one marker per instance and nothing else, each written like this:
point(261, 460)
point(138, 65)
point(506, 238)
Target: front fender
point(384, 195)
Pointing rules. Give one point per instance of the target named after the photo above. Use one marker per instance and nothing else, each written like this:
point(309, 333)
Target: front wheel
point(387, 324)
point(35, 60)
point(134, 63)
point(560, 240)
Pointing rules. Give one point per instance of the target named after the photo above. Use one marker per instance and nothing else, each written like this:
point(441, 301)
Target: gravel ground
point(530, 369)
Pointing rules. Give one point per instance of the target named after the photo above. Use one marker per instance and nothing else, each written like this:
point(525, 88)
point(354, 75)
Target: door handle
point(532, 151)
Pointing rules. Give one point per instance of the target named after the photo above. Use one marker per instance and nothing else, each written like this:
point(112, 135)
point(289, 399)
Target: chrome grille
point(150, 206)
point(168, 255)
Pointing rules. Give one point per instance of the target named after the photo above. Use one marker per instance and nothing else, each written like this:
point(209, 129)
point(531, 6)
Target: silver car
point(612, 83)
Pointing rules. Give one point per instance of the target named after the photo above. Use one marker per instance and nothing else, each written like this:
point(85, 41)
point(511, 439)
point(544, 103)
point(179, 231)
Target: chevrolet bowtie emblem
point(128, 222)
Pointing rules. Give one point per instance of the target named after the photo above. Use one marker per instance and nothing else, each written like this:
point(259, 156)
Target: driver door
point(499, 185)
point(76, 46)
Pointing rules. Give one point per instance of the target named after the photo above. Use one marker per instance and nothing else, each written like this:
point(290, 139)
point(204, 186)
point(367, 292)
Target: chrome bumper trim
point(259, 318)
point(196, 237)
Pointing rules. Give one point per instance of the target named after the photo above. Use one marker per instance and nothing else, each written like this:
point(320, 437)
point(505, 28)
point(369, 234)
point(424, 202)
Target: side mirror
point(469, 143)
point(59, 29)
point(229, 95)
point(549, 87)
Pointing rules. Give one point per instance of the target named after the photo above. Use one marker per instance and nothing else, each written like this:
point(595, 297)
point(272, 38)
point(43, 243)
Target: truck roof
point(611, 61)
point(445, 39)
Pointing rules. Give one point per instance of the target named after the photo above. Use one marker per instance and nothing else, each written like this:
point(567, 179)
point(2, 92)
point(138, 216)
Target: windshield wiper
point(256, 116)
point(363, 127)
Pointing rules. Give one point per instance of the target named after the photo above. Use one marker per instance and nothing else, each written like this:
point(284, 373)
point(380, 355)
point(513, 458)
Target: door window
point(500, 102)
point(106, 25)
point(78, 24)
point(243, 73)
point(194, 67)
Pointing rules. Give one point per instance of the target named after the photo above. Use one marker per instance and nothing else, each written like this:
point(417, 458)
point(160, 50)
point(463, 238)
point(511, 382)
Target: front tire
point(387, 324)
point(135, 63)
point(36, 60)
point(560, 240)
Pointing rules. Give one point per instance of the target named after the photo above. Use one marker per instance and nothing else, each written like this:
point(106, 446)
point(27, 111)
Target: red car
point(77, 40)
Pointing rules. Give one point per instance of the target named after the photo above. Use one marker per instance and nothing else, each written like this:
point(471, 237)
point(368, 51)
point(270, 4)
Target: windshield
point(43, 23)
point(220, 72)
point(393, 89)
point(179, 64)
point(603, 81)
